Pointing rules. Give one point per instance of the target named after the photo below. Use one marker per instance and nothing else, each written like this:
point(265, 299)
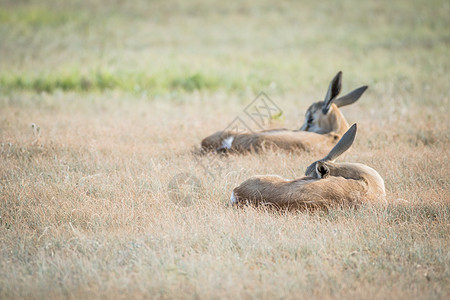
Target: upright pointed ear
point(351, 97)
point(343, 145)
point(322, 170)
point(333, 90)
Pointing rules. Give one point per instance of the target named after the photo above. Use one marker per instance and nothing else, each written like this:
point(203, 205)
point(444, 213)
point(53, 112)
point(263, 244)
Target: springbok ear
point(322, 170)
point(351, 97)
point(343, 145)
point(333, 90)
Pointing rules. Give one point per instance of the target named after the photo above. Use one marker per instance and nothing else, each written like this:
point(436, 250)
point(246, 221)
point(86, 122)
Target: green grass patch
point(50, 83)
point(161, 82)
point(159, 48)
point(195, 81)
point(35, 17)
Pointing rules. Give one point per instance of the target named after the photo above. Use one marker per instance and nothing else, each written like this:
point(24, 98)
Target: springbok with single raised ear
point(324, 125)
point(326, 184)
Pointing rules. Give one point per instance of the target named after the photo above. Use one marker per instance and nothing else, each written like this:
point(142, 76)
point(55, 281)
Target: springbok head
point(326, 166)
point(324, 116)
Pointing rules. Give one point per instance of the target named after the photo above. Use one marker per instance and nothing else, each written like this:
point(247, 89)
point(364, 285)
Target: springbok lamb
point(326, 184)
point(324, 125)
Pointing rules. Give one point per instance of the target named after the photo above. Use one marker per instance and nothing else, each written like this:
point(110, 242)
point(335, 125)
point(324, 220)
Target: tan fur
point(326, 184)
point(282, 139)
point(334, 121)
point(322, 135)
point(348, 185)
point(324, 125)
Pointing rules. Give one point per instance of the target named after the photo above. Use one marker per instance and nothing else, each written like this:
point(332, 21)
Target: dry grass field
point(124, 91)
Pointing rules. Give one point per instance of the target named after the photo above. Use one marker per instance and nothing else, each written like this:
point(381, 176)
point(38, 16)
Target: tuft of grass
point(194, 82)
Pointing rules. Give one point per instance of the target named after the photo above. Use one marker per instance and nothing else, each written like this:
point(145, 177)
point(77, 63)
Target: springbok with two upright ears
point(324, 125)
point(326, 184)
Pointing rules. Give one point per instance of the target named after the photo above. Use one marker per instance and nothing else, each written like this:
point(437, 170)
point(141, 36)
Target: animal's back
point(305, 192)
point(283, 139)
point(302, 140)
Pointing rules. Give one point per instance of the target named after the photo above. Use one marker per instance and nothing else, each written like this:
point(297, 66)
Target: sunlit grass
point(123, 92)
point(86, 209)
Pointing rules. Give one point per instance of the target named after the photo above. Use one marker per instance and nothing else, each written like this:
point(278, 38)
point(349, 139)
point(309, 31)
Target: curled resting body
point(326, 183)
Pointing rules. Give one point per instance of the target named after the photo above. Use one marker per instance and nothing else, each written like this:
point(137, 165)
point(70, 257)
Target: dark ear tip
point(353, 129)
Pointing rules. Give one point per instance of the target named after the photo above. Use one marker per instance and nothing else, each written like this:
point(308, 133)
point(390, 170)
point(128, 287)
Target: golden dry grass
point(85, 210)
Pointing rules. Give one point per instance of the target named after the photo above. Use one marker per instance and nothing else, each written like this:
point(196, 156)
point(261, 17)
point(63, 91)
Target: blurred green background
point(176, 47)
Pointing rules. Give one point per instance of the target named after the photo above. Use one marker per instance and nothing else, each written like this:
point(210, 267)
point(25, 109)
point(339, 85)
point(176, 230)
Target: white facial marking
point(233, 198)
point(226, 143)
